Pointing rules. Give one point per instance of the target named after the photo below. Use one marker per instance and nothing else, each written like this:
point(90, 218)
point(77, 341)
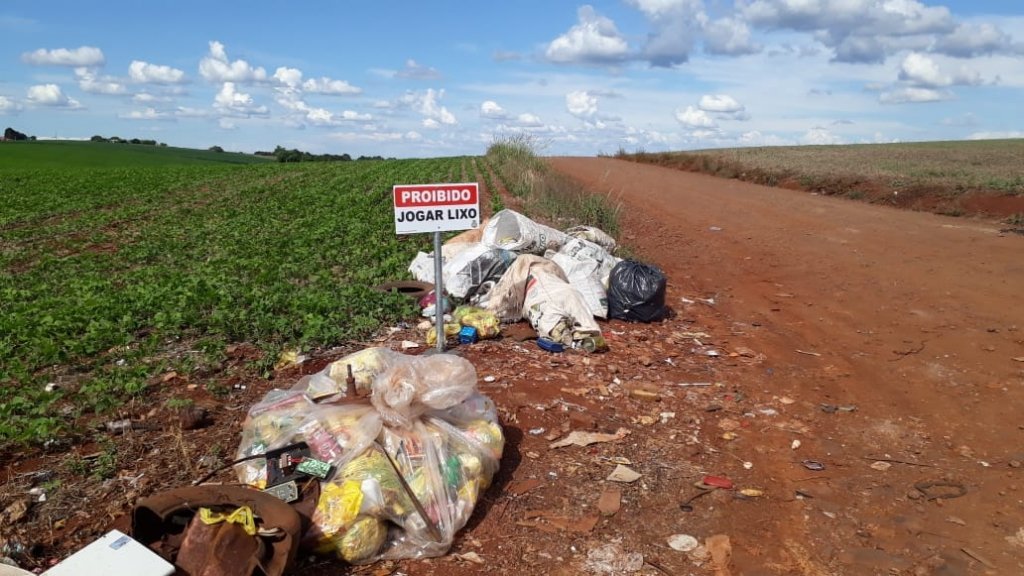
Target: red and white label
point(436, 207)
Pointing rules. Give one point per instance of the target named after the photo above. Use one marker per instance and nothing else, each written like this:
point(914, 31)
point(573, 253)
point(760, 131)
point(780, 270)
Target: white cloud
point(429, 106)
point(594, 39)
point(820, 136)
point(921, 70)
point(147, 98)
point(82, 56)
point(675, 24)
point(581, 104)
point(997, 135)
point(230, 101)
point(416, 71)
point(756, 138)
point(913, 95)
point(969, 40)
point(491, 109)
point(90, 82)
point(215, 67)
point(187, 112)
point(328, 86)
point(857, 30)
point(147, 73)
point(720, 103)
point(51, 95)
point(729, 37)
point(529, 120)
point(431, 124)
point(147, 114)
point(693, 118)
point(8, 106)
point(227, 124)
point(290, 77)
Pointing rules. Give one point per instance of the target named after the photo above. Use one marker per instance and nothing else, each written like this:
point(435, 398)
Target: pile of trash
point(518, 269)
point(400, 446)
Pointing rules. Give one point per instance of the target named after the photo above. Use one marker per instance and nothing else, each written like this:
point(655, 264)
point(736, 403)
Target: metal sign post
point(439, 293)
point(436, 208)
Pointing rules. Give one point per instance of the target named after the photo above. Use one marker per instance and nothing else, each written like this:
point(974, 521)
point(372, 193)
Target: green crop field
point(111, 275)
point(67, 154)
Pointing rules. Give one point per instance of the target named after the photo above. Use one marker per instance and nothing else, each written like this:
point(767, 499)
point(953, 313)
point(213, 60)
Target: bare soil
point(886, 345)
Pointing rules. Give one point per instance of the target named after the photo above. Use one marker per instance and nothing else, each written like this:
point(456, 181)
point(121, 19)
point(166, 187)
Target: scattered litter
point(624, 474)
point(1019, 359)
point(881, 466)
point(666, 416)
point(489, 379)
point(693, 384)
point(409, 344)
point(805, 352)
point(832, 408)
point(687, 505)
point(289, 358)
point(682, 542)
point(717, 482)
point(536, 431)
point(14, 512)
point(751, 492)
point(612, 560)
point(748, 465)
point(51, 387)
point(786, 400)
point(956, 520)
point(471, 557)
point(768, 411)
point(39, 493)
point(715, 229)
point(730, 436)
point(795, 444)
point(610, 501)
point(813, 465)
point(582, 438)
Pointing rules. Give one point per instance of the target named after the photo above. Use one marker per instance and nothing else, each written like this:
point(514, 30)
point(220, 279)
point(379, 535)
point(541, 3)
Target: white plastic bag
point(595, 235)
point(587, 267)
point(511, 230)
point(556, 309)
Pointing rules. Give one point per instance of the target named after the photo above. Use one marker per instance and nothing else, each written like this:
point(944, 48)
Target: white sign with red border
point(436, 207)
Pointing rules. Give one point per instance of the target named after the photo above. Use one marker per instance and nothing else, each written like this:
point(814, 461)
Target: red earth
point(854, 371)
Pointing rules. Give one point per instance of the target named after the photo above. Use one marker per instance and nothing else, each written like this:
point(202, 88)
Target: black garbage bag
point(636, 292)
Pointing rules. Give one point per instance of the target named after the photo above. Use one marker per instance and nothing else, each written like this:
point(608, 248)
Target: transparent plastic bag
point(329, 383)
point(426, 419)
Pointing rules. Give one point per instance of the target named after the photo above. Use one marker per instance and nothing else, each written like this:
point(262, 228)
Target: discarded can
point(468, 335)
point(550, 345)
point(594, 343)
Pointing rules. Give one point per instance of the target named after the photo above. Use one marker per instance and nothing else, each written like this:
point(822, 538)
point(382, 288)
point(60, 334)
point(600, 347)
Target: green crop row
point(110, 276)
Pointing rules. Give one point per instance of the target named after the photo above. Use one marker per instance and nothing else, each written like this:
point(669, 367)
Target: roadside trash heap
point(401, 446)
point(516, 269)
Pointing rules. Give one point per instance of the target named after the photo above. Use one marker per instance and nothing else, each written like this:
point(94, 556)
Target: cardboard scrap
point(624, 474)
point(553, 522)
point(581, 438)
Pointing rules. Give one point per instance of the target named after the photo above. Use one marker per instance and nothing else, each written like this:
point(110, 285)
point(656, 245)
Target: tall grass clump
point(515, 158)
point(545, 193)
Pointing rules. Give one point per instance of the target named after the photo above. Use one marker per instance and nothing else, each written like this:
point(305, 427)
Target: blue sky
point(413, 79)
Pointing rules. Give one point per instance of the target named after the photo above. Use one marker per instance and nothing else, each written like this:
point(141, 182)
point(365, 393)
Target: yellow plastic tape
point(242, 516)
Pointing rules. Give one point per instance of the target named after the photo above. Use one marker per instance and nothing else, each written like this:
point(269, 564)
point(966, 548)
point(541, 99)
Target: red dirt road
point(913, 318)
